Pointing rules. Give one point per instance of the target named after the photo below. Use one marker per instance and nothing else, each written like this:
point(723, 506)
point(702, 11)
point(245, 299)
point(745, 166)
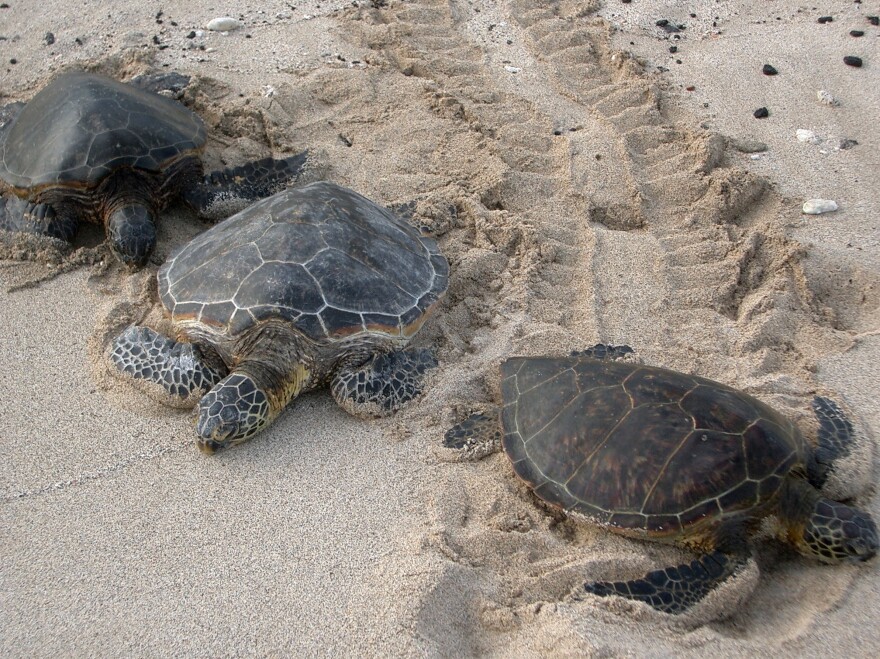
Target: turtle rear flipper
point(674, 589)
point(604, 351)
point(230, 190)
point(384, 383)
point(178, 368)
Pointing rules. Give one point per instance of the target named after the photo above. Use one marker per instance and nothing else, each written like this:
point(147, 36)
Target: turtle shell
point(82, 127)
point(321, 257)
point(642, 448)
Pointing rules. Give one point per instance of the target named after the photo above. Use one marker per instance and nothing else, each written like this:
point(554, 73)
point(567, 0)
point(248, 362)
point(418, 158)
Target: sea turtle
point(311, 286)
point(87, 147)
point(656, 454)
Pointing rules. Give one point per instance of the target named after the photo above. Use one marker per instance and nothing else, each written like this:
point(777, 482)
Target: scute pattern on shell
point(82, 127)
point(322, 257)
point(639, 447)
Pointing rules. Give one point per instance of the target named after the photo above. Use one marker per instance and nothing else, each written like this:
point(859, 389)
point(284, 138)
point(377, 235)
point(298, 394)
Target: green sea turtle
point(315, 285)
point(89, 148)
point(660, 455)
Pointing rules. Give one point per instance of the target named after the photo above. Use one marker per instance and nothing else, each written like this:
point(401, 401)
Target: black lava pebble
point(852, 60)
point(856, 33)
point(825, 19)
point(49, 39)
point(762, 113)
point(874, 20)
point(769, 70)
point(673, 49)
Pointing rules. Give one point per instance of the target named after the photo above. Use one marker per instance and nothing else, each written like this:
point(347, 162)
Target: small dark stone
point(691, 88)
point(678, 61)
point(762, 113)
point(769, 70)
point(847, 144)
point(174, 23)
point(874, 20)
point(191, 35)
point(626, 2)
point(49, 39)
point(78, 41)
point(557, 132)
point(852, 60)
point(662, 23)
point(856, 33)
point(13, 60)
point(825, 19)
point(156, 39)
point(673, 49)
point(3, 5)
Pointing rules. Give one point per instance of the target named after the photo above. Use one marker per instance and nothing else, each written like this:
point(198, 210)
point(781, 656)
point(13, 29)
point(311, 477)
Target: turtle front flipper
point(835, 438)
point(384, 383)
point(674, 589)
point(178, 368)
point(476, 437)
point(40, 219)
point(230, 190)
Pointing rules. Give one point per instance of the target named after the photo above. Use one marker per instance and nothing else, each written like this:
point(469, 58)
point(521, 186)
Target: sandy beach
point(591, 176)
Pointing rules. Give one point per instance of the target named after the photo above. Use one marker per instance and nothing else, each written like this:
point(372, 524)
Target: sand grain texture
point(581, 195)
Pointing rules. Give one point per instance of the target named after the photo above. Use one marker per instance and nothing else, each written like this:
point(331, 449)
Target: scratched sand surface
point(638, 222)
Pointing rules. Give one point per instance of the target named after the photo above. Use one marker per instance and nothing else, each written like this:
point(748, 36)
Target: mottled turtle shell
point(82, 127)
point(321, 257)
point(642, 448)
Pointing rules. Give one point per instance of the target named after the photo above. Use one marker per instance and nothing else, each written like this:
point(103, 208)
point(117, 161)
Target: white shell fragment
point(805, 135)
point(223, 24)
point(512, 69)
point(827, 98)
point(819, 206)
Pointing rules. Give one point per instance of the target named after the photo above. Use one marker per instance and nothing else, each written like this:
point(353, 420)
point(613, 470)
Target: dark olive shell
point(642, 448)
point(82, 127)
point(321, 257)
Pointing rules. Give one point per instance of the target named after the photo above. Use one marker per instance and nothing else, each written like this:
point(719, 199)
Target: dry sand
point(639, 222)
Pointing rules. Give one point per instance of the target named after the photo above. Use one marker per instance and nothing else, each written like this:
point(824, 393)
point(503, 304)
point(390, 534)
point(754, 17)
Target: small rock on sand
point(826, 98)
point(223, 24)
point(819, 206)
point(805, 135)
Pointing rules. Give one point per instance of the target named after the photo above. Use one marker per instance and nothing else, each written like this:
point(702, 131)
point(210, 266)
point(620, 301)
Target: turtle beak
point(218, 439)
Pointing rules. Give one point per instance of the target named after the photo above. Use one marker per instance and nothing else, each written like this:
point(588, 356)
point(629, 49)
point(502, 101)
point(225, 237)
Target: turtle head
point(836, 532)
point(132, 233)
point(233, 411)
